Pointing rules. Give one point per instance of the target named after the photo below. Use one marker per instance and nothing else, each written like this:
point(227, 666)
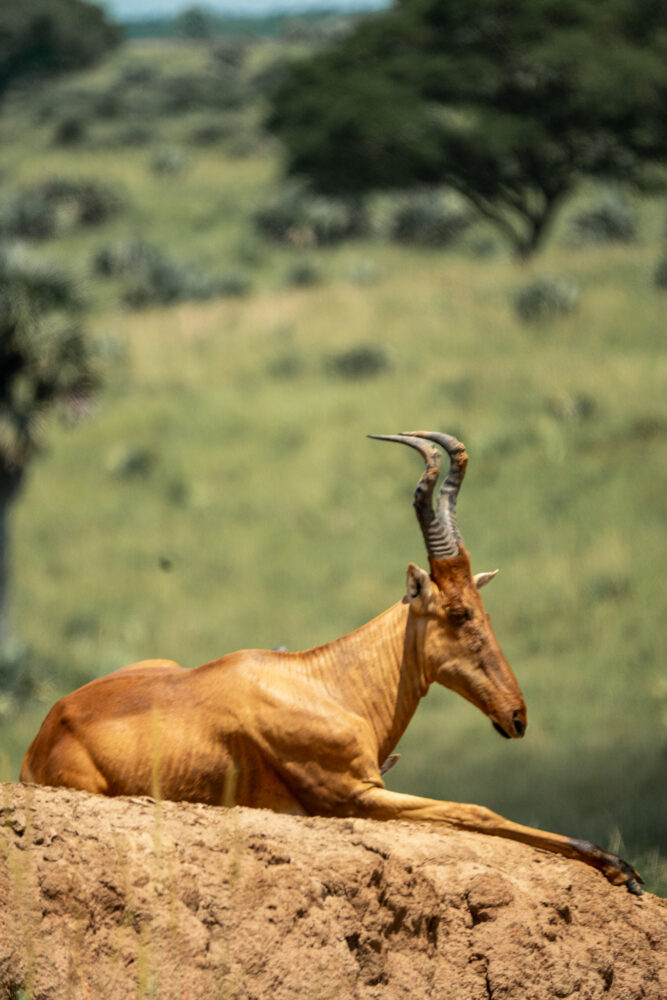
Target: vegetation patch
point(429, 218)
point(610, 219)
point(363, 361)
point(545, 299)
point(55, 206)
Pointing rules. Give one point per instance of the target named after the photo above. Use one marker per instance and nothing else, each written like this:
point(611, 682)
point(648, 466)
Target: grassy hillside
point(222, 494)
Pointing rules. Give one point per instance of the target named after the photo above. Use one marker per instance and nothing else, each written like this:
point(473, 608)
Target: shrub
point(169, 160)
point(46, 285)
point(298, 218)
point(18, 677)
point(161, 282)
point(70, 131)
point(209, 133)
point(56, 204)
point(132, 462)
point(124, 257)
point(364, 361)
point(229, 54)
point(303, 274)
point(90, 203)
point(109, 103)
point(230, 284)
point(331, 221)
point(572, 408)
point(28, 215)
point(132, 135)
point(429, 218)
point(610, 220)
point(189, 91)
point(660, 274)
point(545, 298)
point(138, 73)
point(158, 280)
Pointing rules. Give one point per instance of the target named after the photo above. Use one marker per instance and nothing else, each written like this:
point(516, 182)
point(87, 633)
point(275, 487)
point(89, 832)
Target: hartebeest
point(310, 732)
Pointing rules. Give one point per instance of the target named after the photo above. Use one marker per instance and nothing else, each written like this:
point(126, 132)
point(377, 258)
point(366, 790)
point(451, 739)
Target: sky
point(136, 9)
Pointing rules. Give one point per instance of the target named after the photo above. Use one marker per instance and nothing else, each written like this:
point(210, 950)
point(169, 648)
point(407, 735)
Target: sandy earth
point(121, 898)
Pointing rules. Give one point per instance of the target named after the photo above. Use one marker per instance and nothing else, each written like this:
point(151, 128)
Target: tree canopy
point(509, 102)
point(42, 37)
point(45, 360)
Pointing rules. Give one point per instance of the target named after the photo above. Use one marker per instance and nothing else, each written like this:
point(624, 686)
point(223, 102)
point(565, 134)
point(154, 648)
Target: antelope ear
point(481, 579)
point(417, 587)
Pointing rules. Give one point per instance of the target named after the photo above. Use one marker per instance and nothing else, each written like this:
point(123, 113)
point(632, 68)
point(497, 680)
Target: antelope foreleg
point(380, 803)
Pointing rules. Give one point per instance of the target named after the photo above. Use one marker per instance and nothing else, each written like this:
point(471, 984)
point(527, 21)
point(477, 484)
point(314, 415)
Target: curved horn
point(449, 490)
point(440, 542)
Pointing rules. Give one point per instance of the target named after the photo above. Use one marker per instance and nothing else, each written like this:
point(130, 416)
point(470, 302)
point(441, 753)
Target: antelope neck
point(378, 672)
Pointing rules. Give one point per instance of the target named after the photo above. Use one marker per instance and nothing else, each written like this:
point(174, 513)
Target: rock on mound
point(120, 898)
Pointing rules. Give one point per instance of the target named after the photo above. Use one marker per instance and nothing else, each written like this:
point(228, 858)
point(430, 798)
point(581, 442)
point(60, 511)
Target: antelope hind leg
point(380, 803)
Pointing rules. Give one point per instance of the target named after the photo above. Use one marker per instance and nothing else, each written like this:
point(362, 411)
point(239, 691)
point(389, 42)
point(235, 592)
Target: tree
point(43, 37)
point(196, 23)
point(509, 102)
point(44, 360)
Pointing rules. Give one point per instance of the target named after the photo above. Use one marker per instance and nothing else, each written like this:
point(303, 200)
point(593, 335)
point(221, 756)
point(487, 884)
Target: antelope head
point(457, 645)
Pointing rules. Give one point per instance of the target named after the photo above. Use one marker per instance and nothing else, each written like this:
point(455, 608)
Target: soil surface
point(122, 898)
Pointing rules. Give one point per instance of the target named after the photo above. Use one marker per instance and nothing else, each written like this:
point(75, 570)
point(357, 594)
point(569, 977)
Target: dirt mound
point(118, 898)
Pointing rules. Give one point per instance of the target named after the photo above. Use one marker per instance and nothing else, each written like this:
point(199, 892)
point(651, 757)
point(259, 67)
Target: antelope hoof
point(619, 872)
point(615, 869)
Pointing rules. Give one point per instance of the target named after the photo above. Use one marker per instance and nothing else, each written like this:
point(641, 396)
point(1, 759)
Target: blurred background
point(234, 240)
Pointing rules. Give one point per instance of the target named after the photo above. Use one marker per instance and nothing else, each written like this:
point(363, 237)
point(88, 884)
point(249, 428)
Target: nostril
point(519, 724)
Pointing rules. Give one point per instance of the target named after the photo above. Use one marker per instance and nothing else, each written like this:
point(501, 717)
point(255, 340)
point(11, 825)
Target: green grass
point(281, 524)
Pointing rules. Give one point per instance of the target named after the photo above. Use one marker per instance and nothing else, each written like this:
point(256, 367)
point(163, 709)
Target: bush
point(161, 282)
point(56, 205)
point(132, 135)
point(193, 91)
point(430, 218)
point(230, 284)
point(89, 202)
point(18, 677)
point(303, 274)
point(169, 160)
point(109, 103)
point(545, 299)
point(138, 74)
point(158, 280)
point(229, 54)
point(132, 462)
point(297, 218)
point(210, 133)
point(660, 274)
point(124, 257)
point(364, 361)
point(610, 220)
point(28, 215)
point(46, 285)
point(70, 131)
point(572, 408)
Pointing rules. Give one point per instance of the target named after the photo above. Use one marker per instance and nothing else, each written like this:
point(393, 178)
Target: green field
point(222, 493)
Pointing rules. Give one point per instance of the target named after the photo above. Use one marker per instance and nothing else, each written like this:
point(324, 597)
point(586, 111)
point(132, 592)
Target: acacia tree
point(509, 102)
point(44, 361)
